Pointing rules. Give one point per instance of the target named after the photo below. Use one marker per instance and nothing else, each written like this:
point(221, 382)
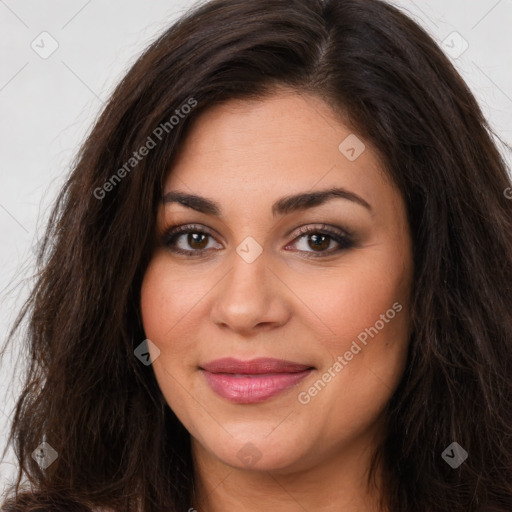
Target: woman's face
point(249, 284)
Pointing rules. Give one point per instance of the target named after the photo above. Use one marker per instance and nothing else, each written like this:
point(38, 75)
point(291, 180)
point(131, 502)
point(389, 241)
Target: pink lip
point(247, 382)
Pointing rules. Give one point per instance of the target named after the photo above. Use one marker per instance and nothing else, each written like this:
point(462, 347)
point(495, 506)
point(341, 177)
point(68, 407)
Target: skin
point(245, 155)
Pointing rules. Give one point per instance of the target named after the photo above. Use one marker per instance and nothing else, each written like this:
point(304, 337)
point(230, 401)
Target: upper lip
point(254, 366)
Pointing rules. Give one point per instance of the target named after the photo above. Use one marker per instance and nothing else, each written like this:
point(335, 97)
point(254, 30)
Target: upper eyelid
point(304, 230)
point(320, 226)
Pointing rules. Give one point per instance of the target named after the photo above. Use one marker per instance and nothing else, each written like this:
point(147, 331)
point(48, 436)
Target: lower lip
point(245, 389)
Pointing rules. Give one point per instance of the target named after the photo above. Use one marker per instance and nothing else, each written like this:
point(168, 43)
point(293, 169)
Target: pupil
point(194, 239)
point(319, 244)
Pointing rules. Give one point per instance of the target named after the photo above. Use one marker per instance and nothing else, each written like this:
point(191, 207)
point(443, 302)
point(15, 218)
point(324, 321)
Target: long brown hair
point(118, 443)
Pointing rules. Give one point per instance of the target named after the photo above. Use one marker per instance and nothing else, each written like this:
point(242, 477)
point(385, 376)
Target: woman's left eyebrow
point(282, 206)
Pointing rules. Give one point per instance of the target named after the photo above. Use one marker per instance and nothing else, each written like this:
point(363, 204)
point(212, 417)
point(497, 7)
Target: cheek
point(363, 361)
point(371, 319)
point(164, 305)
point(360, 295)
point(156, 296)
point(154, 301)
point(166, 302)
point(367, 313)
point(366, 300)
point(166, 298)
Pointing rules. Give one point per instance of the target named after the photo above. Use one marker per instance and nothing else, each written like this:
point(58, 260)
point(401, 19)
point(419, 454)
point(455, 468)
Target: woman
point(334, 330)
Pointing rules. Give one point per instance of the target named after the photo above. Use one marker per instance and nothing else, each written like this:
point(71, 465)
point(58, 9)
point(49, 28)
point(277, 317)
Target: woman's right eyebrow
point(282, 206)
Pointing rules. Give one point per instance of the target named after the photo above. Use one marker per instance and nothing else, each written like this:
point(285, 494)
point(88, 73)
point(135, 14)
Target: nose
point(250, 298)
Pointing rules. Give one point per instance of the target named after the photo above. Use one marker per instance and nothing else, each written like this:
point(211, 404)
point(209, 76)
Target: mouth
point(248, 382)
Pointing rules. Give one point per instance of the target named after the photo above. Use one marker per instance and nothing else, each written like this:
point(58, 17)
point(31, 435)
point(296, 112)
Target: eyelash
point(344, 239)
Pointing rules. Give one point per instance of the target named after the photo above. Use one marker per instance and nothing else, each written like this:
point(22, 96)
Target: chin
point(258, 452)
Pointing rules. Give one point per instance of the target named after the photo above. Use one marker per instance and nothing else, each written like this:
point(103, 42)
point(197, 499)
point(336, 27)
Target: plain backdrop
point(60, 61)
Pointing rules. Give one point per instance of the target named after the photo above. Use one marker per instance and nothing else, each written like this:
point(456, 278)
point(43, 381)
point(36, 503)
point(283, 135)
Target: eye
point(319, 239)
point(196, 238)
point(193, 240)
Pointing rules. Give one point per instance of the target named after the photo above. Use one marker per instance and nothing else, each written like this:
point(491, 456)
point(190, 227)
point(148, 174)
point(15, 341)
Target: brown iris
point(319, 241)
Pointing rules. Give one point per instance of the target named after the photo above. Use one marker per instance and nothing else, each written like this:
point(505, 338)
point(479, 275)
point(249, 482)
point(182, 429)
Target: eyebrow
point(282, 206)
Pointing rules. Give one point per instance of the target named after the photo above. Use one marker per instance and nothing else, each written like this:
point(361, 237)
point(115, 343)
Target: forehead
point(284, 144)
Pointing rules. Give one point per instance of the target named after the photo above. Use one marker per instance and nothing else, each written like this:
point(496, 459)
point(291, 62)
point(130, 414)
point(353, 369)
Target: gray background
point(47, 106)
